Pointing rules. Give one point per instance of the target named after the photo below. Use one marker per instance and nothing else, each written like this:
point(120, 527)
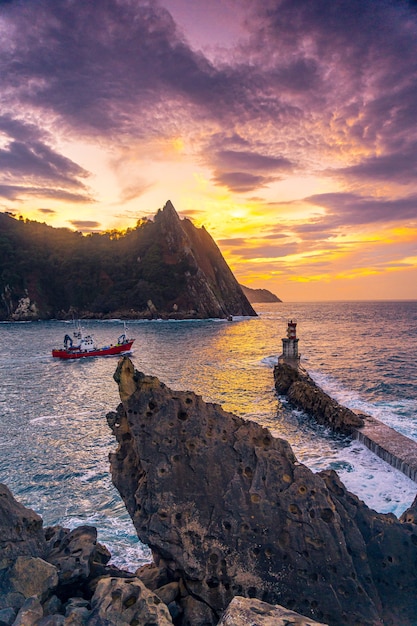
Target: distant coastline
point(256, 296)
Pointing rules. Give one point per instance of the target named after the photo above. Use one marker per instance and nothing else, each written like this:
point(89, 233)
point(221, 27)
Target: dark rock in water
point(227, 510)
point(294, 382)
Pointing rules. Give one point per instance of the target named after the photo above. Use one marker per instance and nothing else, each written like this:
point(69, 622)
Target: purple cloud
point(327, 77)
point(18, 192)
point(250, 161)
point(241, 182)
point(85, 225)
point(353, 209)
point(398, 166)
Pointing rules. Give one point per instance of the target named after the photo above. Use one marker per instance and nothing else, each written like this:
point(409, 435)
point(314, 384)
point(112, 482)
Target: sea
point(55, 441)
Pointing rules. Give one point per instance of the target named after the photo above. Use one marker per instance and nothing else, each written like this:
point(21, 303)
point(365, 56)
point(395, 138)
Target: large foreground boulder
point(227, 510)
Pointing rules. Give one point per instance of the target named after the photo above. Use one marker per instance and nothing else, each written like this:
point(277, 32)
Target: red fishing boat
point(79, 346)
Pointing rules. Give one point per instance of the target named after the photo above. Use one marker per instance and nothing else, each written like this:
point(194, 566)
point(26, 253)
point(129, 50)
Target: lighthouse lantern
point(290, 342)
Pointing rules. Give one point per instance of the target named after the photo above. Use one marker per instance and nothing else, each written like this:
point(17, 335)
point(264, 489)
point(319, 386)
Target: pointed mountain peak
point(169, 207)
point(168, 213)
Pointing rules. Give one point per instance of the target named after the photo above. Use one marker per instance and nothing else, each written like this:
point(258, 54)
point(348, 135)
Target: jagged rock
point(52, 605)
point(168, 593)
point(251, 611)
point(211, 290)
point(53, 620)
point(410, 515)
point(21, 529)
point(7, 616)
point(152, 576)
point(32, 576)
point(73, 553)
point(73, 570)
point(227, 510)
point(77, 612)
point(127, 601)
point(302, 391)
point(30, 613)
point(25, 310)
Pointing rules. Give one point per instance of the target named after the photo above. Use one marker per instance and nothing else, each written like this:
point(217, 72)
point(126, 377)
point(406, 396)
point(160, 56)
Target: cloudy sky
point(287, 127)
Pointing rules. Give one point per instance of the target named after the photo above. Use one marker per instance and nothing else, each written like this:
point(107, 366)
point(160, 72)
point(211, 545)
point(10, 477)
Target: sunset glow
point(285, 127)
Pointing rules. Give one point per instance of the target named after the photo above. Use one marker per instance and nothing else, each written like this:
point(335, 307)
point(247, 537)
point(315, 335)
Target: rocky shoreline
point(56, 577)
point(239, 531)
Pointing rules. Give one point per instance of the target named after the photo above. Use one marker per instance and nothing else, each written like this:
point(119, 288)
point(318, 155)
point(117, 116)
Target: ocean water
point(54, 438)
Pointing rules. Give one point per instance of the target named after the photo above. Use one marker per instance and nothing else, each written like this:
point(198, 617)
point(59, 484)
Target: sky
point(288, 128)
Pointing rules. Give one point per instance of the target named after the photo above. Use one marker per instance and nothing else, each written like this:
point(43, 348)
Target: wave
point(57, 416)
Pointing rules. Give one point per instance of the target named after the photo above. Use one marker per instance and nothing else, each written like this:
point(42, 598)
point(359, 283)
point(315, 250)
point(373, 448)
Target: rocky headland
point(165, 267)
point(240, 533)
point(259, 295)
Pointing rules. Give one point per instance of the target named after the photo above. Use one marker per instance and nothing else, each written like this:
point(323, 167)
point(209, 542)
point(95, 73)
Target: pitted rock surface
point(119, 601)
point(228, 510)
point(251, 611)
point(21, 529)
point(72, 552)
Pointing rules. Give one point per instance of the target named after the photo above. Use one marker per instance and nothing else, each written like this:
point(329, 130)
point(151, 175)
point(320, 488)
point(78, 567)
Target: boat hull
point(81, 354)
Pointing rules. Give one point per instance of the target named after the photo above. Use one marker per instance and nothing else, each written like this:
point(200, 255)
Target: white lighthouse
point(290, 342)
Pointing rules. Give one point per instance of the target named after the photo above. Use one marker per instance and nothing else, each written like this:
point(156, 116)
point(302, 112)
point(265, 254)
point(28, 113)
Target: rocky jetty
point(228, 511)
point(294, 382)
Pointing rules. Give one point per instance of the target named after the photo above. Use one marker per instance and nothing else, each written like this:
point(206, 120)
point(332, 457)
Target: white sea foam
point(269, 361)
point(127, 552)
point(58, 416)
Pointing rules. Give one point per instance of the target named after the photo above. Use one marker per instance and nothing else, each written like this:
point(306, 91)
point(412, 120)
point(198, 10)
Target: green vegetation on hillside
point(96, 273)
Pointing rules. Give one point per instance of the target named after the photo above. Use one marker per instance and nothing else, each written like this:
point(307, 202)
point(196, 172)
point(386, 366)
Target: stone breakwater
point(293, 381)
point(228, 511)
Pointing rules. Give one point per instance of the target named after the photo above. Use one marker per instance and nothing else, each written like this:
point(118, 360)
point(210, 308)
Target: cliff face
point(210, 289)
point(227, 510)
point(162, 268)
